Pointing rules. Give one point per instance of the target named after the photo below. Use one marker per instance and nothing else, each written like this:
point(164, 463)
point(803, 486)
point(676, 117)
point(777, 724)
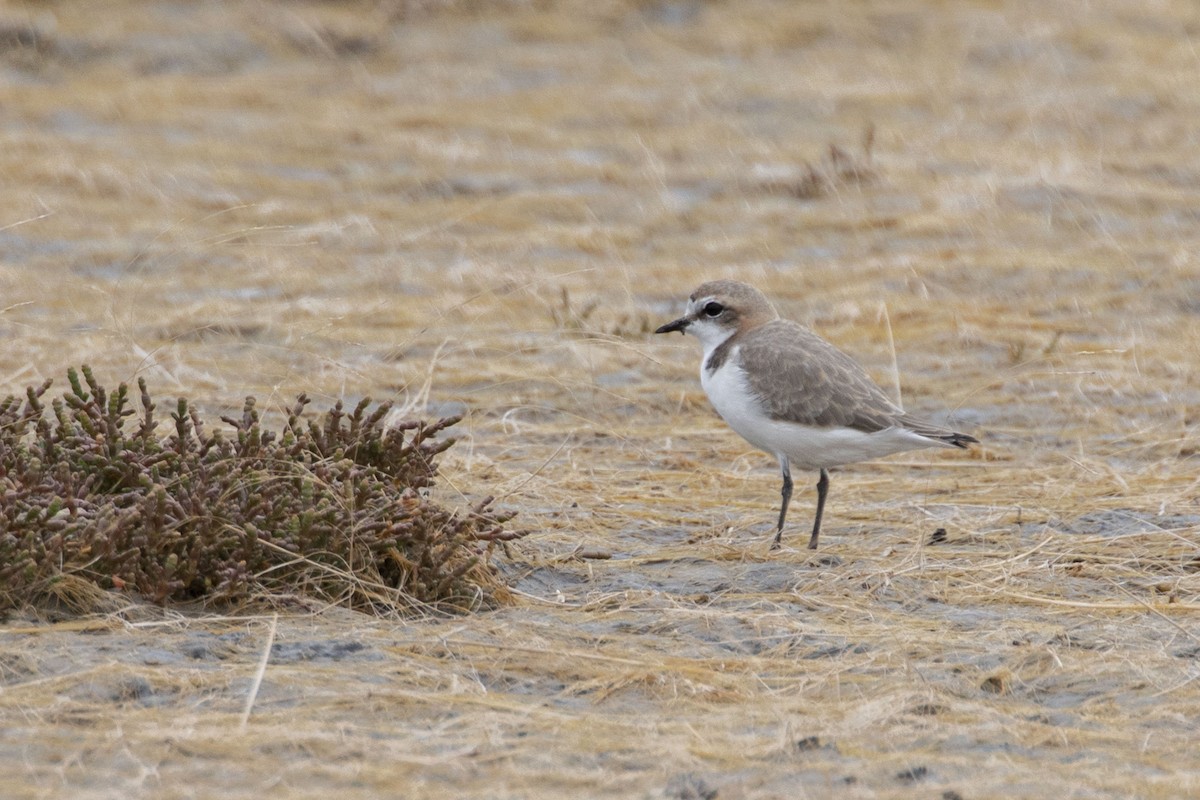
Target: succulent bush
point(327, 509)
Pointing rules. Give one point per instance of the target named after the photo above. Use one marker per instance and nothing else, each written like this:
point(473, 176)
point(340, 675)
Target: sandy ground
point(487, 208)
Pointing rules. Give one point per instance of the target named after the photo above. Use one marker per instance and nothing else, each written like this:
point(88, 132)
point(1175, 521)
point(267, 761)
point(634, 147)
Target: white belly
point(805, 446)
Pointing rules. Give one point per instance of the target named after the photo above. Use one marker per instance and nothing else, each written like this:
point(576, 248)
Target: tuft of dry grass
point(836, 170)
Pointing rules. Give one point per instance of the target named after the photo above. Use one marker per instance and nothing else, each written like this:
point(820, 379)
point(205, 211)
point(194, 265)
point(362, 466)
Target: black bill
point(678, 325)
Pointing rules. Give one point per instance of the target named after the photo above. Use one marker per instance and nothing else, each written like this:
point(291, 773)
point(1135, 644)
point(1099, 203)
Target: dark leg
point(822, 489)
point(787, 498)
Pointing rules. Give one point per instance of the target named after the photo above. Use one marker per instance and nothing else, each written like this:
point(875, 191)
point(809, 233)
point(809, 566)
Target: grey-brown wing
point(802, 378)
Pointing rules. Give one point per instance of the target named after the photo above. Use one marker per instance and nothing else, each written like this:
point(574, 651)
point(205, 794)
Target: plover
point(791, 393)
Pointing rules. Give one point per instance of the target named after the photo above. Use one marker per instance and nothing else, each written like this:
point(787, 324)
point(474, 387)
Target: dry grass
point(488, 207)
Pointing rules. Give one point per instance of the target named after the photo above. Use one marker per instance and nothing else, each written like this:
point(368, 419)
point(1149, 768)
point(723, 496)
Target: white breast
point(730, 395)
point(805, 446)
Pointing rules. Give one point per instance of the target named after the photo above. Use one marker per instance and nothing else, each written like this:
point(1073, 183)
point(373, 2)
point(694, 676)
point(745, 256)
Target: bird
point(794, 395)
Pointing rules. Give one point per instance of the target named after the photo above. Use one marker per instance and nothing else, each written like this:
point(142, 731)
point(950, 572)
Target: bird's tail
point(943, 436)
point(959, 439)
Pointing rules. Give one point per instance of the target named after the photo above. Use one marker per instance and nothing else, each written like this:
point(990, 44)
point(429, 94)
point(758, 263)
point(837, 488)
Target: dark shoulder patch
point(719, 355)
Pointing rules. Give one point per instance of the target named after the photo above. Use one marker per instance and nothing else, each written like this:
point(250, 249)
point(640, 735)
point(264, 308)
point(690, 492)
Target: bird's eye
point(713, 309)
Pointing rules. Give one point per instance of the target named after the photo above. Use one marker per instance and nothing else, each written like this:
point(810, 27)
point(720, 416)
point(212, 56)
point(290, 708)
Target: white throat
point(711, 335)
